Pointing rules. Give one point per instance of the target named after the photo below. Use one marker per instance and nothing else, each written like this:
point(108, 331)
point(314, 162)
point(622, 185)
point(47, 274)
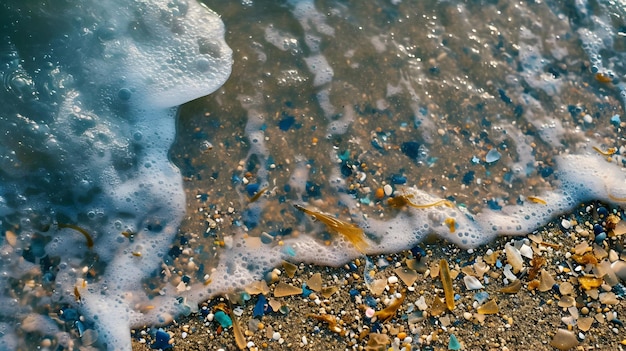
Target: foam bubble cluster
point(89, 200)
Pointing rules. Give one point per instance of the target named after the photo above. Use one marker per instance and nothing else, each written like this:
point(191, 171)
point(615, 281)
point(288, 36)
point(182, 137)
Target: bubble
point(124, 94)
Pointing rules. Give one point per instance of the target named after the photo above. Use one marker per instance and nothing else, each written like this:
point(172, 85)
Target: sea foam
point(88, 114)
point(89, 106)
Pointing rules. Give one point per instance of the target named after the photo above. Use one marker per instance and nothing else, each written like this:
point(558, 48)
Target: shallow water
point(495, 106)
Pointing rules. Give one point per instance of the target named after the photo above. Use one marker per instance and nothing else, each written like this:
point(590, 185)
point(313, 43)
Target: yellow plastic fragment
point(284, 289)
point(446, 281)
point(290, 269)
point(490, 307)
point(408, 276)
point(537, 200)
point(352, 232)
point(546, 281)
point(451, 223)
point(331, 321)
point(589, 283)
point(315, 282)
point(329, 291)
point(438, 307)
point(403, 200)
point(512, 288)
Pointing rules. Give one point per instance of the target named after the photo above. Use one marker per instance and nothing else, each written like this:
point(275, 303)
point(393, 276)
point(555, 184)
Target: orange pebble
point(380, 193)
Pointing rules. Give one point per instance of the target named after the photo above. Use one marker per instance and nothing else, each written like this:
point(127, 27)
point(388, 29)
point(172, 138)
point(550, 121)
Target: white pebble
point(209, 317)
point(276, 336)
point(392, 279)
point(588, 118)
point(304, 340)
point(566, 224)
point(250, 344)
point(388, 189)
point(369, 312)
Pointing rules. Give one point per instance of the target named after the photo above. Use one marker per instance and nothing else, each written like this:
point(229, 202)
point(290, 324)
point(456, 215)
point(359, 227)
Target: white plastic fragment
point(471, 283)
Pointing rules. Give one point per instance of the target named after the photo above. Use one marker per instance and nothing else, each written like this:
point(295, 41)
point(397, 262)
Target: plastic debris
point(492, 156)
point(260, 307)
point(223, 319)
point(284, 289)
point(564, 340)
point(161, 340)
point(446, 281)
point(454, 343)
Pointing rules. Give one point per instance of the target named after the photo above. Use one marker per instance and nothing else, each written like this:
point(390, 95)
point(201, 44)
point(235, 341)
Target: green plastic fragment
point(454, 343)
point(223, 319)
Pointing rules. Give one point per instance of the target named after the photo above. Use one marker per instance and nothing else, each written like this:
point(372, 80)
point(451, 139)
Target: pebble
point(388, 189)
point(392, 279)
point(566, 224)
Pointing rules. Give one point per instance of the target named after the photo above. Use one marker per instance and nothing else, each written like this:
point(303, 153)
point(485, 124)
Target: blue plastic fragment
point(498, 264)
point(286, 123)
point(252, 188)
point(223, 319)
point(259, 308)
point(398, 179)
point(481, 297)
point(161, 340)
point(289, 251)
point(492, 156)
point(615, 120)
point(354, 292)
point(454, 343)
point(370, 301)
point(600, 238)
point(306, 291)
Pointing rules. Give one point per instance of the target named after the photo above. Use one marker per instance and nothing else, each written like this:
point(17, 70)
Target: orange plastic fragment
point(388, 312)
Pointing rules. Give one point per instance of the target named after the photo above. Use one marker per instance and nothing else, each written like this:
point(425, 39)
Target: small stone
point(566, 224)
point(567, 301)
point(392, 279)
point(388, 189)
point(564, 340)
point(566, 288)
point(276, 336)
